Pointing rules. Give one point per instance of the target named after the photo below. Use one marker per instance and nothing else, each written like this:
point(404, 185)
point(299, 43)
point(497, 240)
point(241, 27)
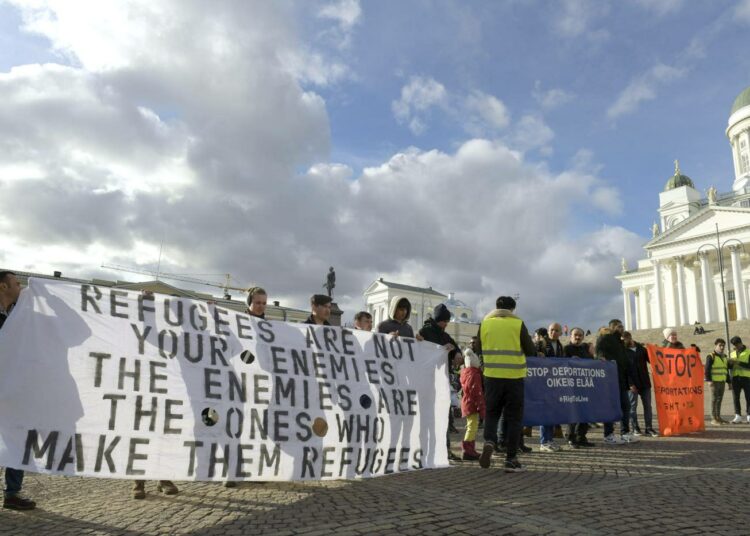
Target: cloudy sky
point(482, 148)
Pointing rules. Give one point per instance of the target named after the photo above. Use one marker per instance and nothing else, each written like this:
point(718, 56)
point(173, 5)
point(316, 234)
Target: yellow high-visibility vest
point(719, 368)
point(744, 357)
point(501, 348)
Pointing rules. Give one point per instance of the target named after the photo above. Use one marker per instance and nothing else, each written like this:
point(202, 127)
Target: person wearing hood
point(434, 331)
point(472, 402)
point(505, 344)
point(398, 318)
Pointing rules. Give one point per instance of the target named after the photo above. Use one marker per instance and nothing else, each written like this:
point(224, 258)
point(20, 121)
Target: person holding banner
point(717, 373)
point(739, 360)
point(320, 306)
point(398, 318)
point(505, 344)
point(577, 348)
point(363, 321)
point(609, 346)
point(257, 300)
point(10, 289)
point(552, 348)
point(640, 386)
point(670, 339)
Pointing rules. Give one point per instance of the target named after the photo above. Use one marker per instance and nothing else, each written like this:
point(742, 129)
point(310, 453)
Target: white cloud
point(661, 7)
point(484, 113)
point(575, 18)
point(742, 11)
point(347, 14)
point(643, 88)
point(531, 132)
point(418, 96)
point(551, 98)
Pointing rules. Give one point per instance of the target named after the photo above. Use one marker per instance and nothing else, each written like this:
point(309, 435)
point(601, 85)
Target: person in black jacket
point(434, 331)
point(320, 306)
point(640, 386)
point(577, 348)
point(10, 289)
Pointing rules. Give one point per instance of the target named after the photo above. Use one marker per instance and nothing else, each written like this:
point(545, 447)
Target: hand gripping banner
point(678, 386)
point(103, 382)
point(570, 390)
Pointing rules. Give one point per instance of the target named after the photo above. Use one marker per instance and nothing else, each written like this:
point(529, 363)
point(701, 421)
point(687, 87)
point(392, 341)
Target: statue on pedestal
point(624, 265)
point(712, 196)
point(654, 230)
point(330, 282)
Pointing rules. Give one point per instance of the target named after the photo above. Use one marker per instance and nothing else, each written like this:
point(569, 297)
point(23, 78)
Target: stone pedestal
point(336, 313)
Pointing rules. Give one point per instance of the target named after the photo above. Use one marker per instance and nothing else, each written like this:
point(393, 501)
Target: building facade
point(696, 264)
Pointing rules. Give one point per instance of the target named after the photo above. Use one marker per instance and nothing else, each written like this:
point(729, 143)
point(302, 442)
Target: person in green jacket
point(717, 374)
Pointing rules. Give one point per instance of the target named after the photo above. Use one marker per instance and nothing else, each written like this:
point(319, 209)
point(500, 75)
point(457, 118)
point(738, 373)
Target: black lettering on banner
point(327, 460)
point(386, 370)
point(208, 383)
point(287, 393)
point(143, 308)
point(198, 319)
point(339, 368)
point(299, 360)
point(237, 388)
point(48, 447)
point(265, 331)
point(344, 426)
point(417, 459)
point(348, 342)
point(193, 446)
point(218, 352)
point(278, 359)
point(104, 453)
point(267, 460)
point(310, 339)
point(380, 346)
point(114, 304)
point(346, 459)
point(329, 338)
point(396, 350)
point(362, 464)
point(113, 408)
point(324, 394)
point(136, 374)
point(390, 459)
point(228, 427)
point(172, 353)
point(279, 424)
point(304, 421)
point(318, 365)
point(383, 402)
point(154, 377)
point(409, 343)
point(141, 337)
point(87, 300)
point(398, 398)
point(259, 389)
point(309, 457)
point(100, 357)
point(242, 328)
point(179, 317)
point(170, 416)
point(377, 461)
point(403, 459)
point(241, 461)
point(345, 401)
point(214, 460)
point(258, 424)
point(411, 401)
point(140, 413)
point(74, 442)
point(219, 322)
point(198, 344)
point(370, 370)
point(134, 455)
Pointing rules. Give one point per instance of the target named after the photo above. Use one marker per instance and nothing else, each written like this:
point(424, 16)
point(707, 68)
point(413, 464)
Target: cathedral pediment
point(702, 225)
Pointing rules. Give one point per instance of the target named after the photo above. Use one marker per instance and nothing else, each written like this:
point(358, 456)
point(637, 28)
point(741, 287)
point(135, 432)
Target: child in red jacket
point(472, 402)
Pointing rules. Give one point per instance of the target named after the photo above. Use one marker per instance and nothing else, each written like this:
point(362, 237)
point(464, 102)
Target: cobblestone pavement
point(685, 485)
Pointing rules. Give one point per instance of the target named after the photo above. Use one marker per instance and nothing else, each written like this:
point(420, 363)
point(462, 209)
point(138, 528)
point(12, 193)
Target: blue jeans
point(609, 427)
point(13, 481)
point(645, 396)
point(546, 434)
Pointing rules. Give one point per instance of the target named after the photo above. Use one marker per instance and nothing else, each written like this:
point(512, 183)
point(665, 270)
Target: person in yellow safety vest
point(717, 374)
point(505, 343)
point(739, 360)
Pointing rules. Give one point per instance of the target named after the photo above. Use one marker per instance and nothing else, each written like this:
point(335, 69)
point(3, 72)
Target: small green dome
point(678, 179)
point(742, 100)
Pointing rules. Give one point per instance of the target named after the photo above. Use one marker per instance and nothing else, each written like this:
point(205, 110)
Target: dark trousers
point(504, 396)
point(13, 481)
point(717, 394)
point(577, 432)
point(609, 427)
point(740, 383)
point(502, 433)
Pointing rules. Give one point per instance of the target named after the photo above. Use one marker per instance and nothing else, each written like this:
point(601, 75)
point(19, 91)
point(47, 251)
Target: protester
point(10, 289)
point(505, 344)
point(739, 360)
point(257, 300)
point(398, 318)
point(363, 321)
point(164, 486)
point(717, 374)
point(472, 402)
point(640, 386)
point(552, 348)
point(577, 348)
point(670, 339)
point(434, 331)
point(610, 347)
point(540, 341)
point(320, 304)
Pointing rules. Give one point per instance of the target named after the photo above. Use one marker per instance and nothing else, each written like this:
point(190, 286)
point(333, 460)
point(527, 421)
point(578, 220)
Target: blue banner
point(562, 390)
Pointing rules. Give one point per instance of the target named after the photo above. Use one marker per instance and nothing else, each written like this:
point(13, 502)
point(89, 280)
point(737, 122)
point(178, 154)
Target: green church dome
point(678, 179)
point(742, 100)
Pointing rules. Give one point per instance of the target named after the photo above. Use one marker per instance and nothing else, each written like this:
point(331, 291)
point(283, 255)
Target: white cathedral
point(680, 281)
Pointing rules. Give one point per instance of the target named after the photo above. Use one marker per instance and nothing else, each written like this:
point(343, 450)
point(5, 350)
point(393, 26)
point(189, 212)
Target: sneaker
point(651, 432)
point(485, 459)
point(549, 447)
point(716, 422)
point(585, 443)
point(572, 444)
point(629, 438)
point(500, 449)
point(612, 439)
point(16, 502)
point(525, 449)
point(452, 457)
point(748, 417)
point(637, 432)
point(737, 419)
point(230, 484)
point(514, 466)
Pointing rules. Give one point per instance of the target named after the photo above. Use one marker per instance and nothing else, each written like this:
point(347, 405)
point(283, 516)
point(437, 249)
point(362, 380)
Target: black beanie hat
point(505, 302)
point(441, 313)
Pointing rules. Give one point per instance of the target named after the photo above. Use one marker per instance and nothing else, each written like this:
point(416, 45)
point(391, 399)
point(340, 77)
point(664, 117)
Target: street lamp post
point(719, 247)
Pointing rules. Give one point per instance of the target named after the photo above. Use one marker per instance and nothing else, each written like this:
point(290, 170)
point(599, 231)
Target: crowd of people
point(490, 373)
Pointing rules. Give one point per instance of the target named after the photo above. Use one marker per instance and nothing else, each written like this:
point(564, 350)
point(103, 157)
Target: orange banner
point(678, 385)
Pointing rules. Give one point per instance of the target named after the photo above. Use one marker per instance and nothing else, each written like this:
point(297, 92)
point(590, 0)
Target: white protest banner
point(97, 381)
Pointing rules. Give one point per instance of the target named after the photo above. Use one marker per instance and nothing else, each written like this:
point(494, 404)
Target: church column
point(626, 303)
point(739, 287)
point(658, 296)
point(637, 310)
point(681, 298)
point(645, 308)
point(706, 283)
